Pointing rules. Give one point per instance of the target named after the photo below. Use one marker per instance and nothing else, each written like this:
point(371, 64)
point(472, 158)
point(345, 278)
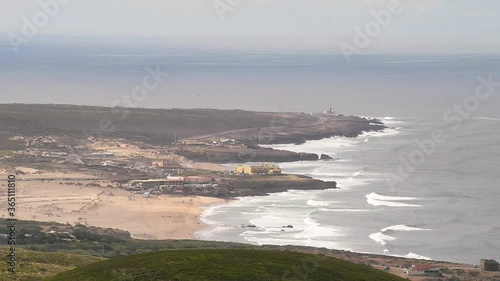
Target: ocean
point(427, 187)
point(445, 209)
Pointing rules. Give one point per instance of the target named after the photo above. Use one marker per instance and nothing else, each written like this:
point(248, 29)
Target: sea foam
point(382, 237)
point(402, 227)
point(315, 203)
point(345, 210)
point(487, 118)
point(316, 230)
point(389, 201)
point(418, 257)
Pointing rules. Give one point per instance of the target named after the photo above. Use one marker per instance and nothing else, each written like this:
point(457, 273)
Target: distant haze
point(437, 25)
point(272, 55)
point(92, 73)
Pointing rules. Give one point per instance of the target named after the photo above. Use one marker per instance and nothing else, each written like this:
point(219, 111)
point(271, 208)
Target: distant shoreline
point(166, 126)
point(143, 136)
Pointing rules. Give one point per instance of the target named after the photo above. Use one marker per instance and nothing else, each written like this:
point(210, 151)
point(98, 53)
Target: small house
point(490, 265)
point(258, 170)
point(428, 270)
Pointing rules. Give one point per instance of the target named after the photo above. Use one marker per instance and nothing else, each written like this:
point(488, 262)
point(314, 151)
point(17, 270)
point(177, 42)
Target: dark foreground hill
point(224, 265)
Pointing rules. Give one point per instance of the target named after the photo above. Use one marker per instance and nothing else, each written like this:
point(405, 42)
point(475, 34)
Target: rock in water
point(325, 157)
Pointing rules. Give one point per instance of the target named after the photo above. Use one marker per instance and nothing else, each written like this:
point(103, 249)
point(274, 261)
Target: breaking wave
point(315, 203)
point(418, 257)
point(389, 201)
point(382, 237)
point(487, 118)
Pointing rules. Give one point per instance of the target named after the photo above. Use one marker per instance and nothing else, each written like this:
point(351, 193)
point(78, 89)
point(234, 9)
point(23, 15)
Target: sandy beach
point(73, 199)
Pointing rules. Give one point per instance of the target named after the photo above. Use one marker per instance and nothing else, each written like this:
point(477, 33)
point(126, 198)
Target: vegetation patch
point(10, 145)
point(224, 265)
point(34, 266)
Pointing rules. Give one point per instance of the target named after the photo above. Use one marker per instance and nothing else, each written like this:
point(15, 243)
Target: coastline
point(292, 194)
point(158, 217)
point(174, 209)
point(266, 229)
point(94, 198)
point(97, 201)
point(385, 130)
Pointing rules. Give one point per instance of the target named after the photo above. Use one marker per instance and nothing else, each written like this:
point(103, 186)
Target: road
point(320, 120)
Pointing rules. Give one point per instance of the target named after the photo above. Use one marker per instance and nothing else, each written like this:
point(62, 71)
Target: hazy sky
point(97, 72)
point(435, 24)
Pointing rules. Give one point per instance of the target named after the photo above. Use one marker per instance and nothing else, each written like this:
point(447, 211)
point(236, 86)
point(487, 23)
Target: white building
point(428, 270)
point(54, 154)
point(102, 154)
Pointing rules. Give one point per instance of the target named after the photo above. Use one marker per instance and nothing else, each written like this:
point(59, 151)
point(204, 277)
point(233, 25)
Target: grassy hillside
point(161, 126)
point(156, 126)
point(221, 265)
point(35, 266)
point(94, 241)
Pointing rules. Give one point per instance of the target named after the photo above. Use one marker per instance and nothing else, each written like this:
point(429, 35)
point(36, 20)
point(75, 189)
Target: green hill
point(222, 265)
point(34, 266)
point(155, 126)
point(163, 126)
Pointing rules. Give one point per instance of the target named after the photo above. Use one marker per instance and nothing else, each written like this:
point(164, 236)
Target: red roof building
point(428, 270)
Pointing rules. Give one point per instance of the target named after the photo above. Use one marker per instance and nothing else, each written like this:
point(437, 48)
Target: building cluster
point(263, 169)
point(38, 141)
point(329, 111)
point(167, 165)
point(102, 154)
point(174, 185)
point(61, 154)
point(109, 163)
point(169, 182)
point(428, 270)
point(213, 142)
point(54, 154)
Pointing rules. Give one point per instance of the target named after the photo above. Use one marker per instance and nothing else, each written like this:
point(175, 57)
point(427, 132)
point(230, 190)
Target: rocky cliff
point(242, 155)
point(238, 186)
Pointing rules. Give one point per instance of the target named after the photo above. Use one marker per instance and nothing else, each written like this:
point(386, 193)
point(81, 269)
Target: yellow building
point(258, 170)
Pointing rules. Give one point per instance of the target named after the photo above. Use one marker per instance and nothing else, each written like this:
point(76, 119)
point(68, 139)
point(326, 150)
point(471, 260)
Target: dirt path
point(320, 120)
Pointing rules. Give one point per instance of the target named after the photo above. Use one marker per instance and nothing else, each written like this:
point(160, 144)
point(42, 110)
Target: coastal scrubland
point(219, 265)
point(164, 126)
